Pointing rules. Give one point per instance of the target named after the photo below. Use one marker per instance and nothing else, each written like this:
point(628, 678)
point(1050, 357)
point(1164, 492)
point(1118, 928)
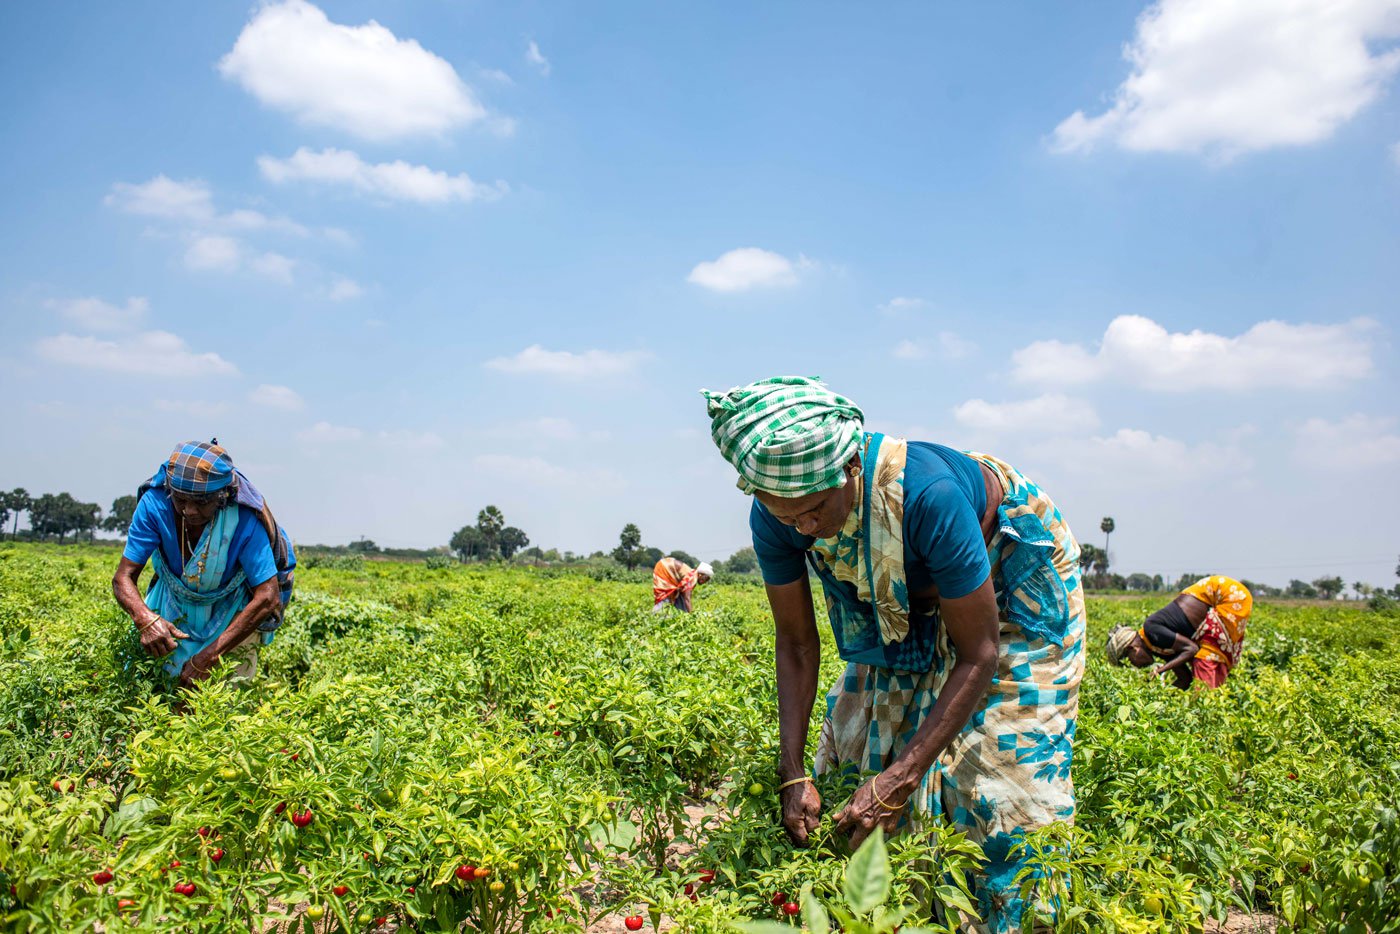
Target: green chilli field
point(497, 749)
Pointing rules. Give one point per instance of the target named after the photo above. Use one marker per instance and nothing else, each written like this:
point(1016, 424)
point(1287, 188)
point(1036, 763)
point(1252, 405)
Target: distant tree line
point(57, 515)
point(489, 539)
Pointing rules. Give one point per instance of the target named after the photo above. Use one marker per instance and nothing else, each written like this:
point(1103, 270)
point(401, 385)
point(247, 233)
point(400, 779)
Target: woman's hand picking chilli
point(159, 637)
point(802, 810)
point(864, 813)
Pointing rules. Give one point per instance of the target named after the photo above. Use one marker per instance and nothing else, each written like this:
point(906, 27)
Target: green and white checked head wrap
point(788, 435)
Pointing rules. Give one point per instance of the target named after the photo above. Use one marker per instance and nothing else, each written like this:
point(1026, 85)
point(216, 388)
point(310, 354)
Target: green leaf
point(868, 874)
point(765, 927)
point(813, 914)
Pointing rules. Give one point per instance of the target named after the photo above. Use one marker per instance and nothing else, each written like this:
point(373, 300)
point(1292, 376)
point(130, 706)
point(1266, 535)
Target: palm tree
point(1106, 527)
point(17, 501)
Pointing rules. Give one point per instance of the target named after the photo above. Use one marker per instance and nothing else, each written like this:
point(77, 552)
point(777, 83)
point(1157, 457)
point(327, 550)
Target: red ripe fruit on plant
point(707, 876)
point(174, 864)
point(184, 888)
point(296, 756)
point(302, 818)
point(633, 922)
point(218, 854)
point(1292, 776)
point(412, 890)
point(381, 921)
point(791, 908)
point(367, 855)
point(281, 806)
point(778, 898)
point(690, 889)
point(124, 904)
point(340, 890)
point(204, 831)
point(67, 734)
point(102, 876)
point(557, 733)
point(466, 873)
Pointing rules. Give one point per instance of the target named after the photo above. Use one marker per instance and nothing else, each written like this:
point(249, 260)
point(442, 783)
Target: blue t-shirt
point(944, 498)
point(153, 525)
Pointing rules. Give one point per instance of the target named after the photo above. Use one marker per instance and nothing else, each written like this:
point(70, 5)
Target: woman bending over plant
point(1200, 634)
point(223, 567)
point(952, 587)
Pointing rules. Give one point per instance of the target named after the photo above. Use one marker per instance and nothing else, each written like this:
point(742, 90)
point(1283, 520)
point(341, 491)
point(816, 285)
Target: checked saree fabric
point(1008, 771)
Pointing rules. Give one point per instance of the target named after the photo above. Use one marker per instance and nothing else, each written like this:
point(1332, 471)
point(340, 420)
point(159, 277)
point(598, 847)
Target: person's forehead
point(794, 505)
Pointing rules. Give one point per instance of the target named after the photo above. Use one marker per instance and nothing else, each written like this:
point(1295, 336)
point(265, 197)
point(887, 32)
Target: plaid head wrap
point(788, 435)
point(1118, 641)
point(197, 467)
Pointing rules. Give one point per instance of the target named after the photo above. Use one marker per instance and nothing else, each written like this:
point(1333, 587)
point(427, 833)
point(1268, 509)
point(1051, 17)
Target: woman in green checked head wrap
point(952, 587)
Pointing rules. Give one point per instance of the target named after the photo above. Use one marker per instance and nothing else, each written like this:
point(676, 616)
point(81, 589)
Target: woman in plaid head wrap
point(952, 587)
point(223, 567)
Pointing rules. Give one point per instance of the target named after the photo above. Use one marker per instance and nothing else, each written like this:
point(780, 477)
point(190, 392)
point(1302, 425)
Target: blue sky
point(405, 259)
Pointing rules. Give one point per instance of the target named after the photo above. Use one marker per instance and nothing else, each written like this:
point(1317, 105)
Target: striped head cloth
point(1118, 641)
point(788, 435)
point(197, 467)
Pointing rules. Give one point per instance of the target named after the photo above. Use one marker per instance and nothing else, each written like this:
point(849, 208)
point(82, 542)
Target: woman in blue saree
point(223, 568)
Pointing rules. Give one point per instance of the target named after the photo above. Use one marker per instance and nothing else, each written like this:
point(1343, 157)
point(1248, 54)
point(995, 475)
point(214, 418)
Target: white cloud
point(947, 345)
point(243, 219)
point(164, 197)
point(93, 314)
point(745, 268)
point(900, 304)
point(360, 79)
point(1139, 351)
point(274, 266)
point(538, 472)
point(1147, 458)
point(535, 57)
point(344, 290)
point(1048, 414)
point(550, 428)
point(396, 180)
point(214, 252)
point(1356, 442)
point(416, 440)
point(152, 353)
point(326, 433)
point(563, 363)
point(1231, 76)
point(277, 397)
point(193, 408)
point(191, 203)
point(496, 75)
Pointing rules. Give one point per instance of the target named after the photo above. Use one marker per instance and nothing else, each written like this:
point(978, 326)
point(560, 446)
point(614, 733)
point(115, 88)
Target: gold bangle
point(150, 621)
point(797, 781)
point(880, 801)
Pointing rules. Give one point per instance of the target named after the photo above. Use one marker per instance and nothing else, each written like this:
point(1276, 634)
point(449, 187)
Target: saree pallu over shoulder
point(862, 568)
point(1039, 558)
point(1221, 633)
point(672, 579)
point(195, 600)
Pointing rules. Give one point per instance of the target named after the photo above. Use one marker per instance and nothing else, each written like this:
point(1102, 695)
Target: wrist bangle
point(880, 801)
point(149, 622)
point(797, 781)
